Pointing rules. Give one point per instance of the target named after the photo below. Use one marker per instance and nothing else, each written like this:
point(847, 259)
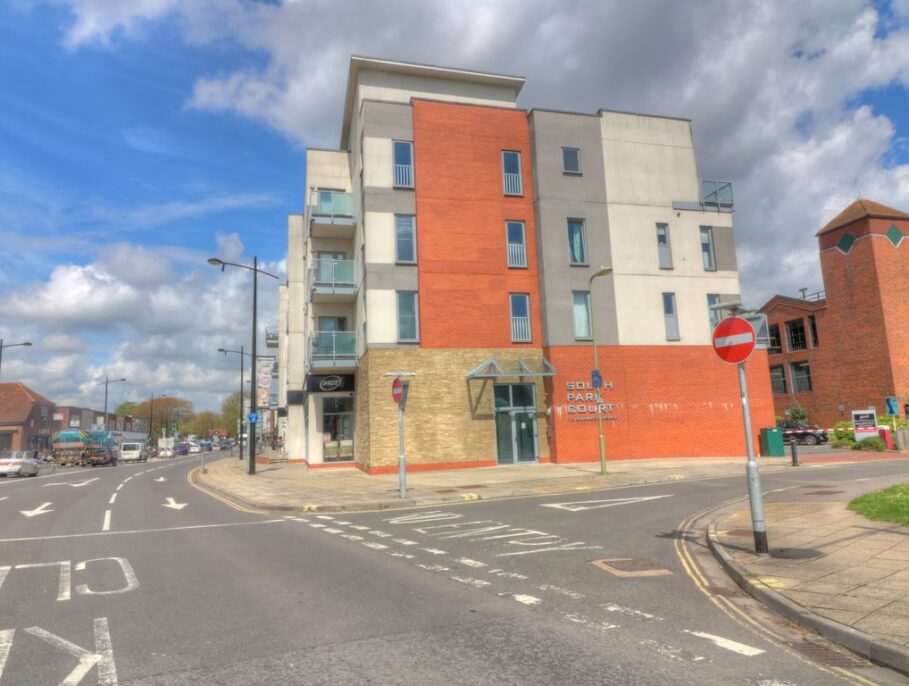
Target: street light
point(596, 365)
point(3, 345)
point(107, 382)
point(217, 262)
point(240, 430)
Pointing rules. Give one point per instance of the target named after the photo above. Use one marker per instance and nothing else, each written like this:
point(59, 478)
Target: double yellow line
point(190, 479)
point(736, 613)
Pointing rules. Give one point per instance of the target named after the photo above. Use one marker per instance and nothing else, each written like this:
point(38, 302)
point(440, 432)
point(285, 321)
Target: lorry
point(78, 448)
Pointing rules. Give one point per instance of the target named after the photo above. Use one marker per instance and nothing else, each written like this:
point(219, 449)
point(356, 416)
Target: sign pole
point(758, 525)
point(402, 465)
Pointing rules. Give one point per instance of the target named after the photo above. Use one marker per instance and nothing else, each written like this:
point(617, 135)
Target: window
point(795, 331)
point(520, 317)
point(776, 344)
point(664, 248)
point(511, 172)
point(577, 242)
point(812, 327)
point(581, 307)
point(408, 317)
point(405, 239)
point(403, 154)
point(778, 380)
point(801, 377)
point(715, 314)
point(707, 253)
point(671, 317)
point(571, 161)
point(514, 238)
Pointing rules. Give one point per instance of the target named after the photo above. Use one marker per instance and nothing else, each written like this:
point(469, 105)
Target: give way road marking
point(595, 504)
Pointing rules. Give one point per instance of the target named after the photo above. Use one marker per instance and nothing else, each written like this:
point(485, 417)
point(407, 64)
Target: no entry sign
point(734, 340)
point(397, 390)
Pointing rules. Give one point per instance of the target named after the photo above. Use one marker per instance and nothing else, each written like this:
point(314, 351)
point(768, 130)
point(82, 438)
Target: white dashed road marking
point(113, 499)
point(470, 581)
point(522, 598)
point(728, 644)
point(106, 525)
point(467, 562)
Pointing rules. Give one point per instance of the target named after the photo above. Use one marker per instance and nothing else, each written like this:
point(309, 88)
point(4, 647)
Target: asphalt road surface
point(130, 575)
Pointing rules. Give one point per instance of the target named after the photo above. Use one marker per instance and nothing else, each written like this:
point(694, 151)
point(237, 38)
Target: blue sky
point(138, 138)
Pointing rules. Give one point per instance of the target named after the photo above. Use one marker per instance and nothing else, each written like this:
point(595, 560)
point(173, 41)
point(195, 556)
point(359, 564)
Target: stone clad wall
point(448, 421)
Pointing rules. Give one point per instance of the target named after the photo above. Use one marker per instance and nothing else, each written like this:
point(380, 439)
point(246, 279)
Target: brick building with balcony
point(846, 348)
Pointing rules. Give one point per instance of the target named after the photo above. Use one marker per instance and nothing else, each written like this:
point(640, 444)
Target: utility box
point(772, 443)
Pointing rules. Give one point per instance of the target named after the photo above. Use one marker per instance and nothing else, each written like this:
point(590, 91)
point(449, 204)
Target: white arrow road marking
point(594, 504)
point(6, 642)
point(726, 643)
point(37, 511)
point(160, 478)
point(174, 505)
point(78, 485)
point(103, 658)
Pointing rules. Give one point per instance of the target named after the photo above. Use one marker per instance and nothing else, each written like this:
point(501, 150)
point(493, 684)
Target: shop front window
point(337, 429)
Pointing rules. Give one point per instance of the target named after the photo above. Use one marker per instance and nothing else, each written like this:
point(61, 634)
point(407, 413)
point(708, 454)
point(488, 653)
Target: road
point(130, 575)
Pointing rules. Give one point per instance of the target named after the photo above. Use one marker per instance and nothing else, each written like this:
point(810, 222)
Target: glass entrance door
point(337, 429)
point(515, 420)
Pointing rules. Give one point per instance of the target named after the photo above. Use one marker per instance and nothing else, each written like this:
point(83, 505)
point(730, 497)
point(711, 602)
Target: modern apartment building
point(846, 347)
point(455, 236)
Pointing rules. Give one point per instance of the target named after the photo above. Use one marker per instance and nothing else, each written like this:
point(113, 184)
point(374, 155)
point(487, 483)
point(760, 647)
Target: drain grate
point(827, 655)
point(628, 566)
point(823, 492)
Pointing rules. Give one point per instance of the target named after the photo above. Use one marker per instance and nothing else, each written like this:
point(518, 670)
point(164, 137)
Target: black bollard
point(794, 444)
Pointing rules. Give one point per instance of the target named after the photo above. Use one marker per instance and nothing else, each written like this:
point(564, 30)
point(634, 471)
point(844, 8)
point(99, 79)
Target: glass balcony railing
point(332, 348)
point(717, 195)
point(333, 274)
point(271, 337)
point(326, 205)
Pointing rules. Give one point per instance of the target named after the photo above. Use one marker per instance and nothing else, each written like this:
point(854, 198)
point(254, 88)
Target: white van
point(133, 452)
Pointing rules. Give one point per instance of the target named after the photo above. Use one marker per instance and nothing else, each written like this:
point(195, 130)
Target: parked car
point(801, 432)
point(133, 452)
point(181, 449)
point(18, 463)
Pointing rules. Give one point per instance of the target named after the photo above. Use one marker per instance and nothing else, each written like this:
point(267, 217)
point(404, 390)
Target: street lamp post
point(252, 401)
point(240, 428)
point(596, 365)
point(10, 345)
point(107, 382)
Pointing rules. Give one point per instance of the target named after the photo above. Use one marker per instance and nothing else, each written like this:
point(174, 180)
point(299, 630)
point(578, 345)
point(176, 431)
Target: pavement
point(829, 570)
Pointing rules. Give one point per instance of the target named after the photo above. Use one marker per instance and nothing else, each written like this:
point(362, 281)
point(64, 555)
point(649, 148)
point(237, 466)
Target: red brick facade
point(863, 324)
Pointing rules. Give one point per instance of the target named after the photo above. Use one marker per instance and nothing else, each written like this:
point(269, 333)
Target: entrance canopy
point(493, 369)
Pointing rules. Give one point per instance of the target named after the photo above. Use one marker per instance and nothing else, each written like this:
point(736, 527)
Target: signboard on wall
point(329, 383)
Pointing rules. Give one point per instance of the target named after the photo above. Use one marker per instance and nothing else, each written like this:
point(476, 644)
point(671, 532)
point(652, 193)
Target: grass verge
point(888, 505)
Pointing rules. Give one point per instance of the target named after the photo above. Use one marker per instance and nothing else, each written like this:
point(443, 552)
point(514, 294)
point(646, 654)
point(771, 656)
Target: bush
point(841, 443)
point(797, 412)
point(874, 443)
point(844, 430)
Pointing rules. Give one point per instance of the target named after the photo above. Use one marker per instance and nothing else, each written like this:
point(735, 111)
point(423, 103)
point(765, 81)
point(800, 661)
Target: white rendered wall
point(378, 163)
point(377, 85)
point(383, 319)
point(380, 237)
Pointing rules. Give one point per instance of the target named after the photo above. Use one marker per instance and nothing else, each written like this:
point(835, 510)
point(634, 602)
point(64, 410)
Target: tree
point(230, 413)
point(165, 407)
point(125, 409)
point(201, 423)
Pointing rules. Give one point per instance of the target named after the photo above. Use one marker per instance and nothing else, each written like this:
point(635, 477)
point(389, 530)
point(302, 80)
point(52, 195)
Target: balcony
point(403, 176)
point(334, 350)
point(332, 280)
point(271, 338)
point(274, 369)
point(331, 214)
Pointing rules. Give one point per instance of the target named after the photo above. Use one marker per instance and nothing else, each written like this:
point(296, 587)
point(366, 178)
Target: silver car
point(18, 463)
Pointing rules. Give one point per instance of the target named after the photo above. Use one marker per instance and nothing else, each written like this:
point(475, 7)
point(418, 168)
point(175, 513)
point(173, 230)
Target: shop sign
point(329, 383)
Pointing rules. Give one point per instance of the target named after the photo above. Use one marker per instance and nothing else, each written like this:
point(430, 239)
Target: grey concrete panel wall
point(724, 247)
point(387, 120)
point(558, 197)
point(389, 200)
point(394, 277)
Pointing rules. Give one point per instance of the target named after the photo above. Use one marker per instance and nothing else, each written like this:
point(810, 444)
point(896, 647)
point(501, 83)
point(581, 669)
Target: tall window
point(511, 172)
point(812, 327)
point(801, 377)
point(671, 317)
point(795, 331)
point(405, 238)
point(581, 306)
point(664, 247)
point(707, 253)
point(778, 379)
point(516, 243)
point(776, 344)
point(571, 161)
point(403, 154)
point(577, 242)
point(520, 317)
point(715, 314)
point(408, 317)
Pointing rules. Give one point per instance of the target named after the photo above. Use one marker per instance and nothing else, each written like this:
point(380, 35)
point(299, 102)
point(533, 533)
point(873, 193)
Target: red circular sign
point(397, 390)
point(734, 339)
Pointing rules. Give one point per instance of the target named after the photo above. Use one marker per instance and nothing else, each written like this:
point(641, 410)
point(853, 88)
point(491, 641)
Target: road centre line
point(25, 539)
point(119, 487)
point(113, 499)
point(106, 525)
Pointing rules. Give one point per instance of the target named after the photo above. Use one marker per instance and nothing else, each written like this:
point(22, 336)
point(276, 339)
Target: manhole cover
point(628, 566)
point(827, 655)
point(739, 532)
point(823, 492)
point(797, 553)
